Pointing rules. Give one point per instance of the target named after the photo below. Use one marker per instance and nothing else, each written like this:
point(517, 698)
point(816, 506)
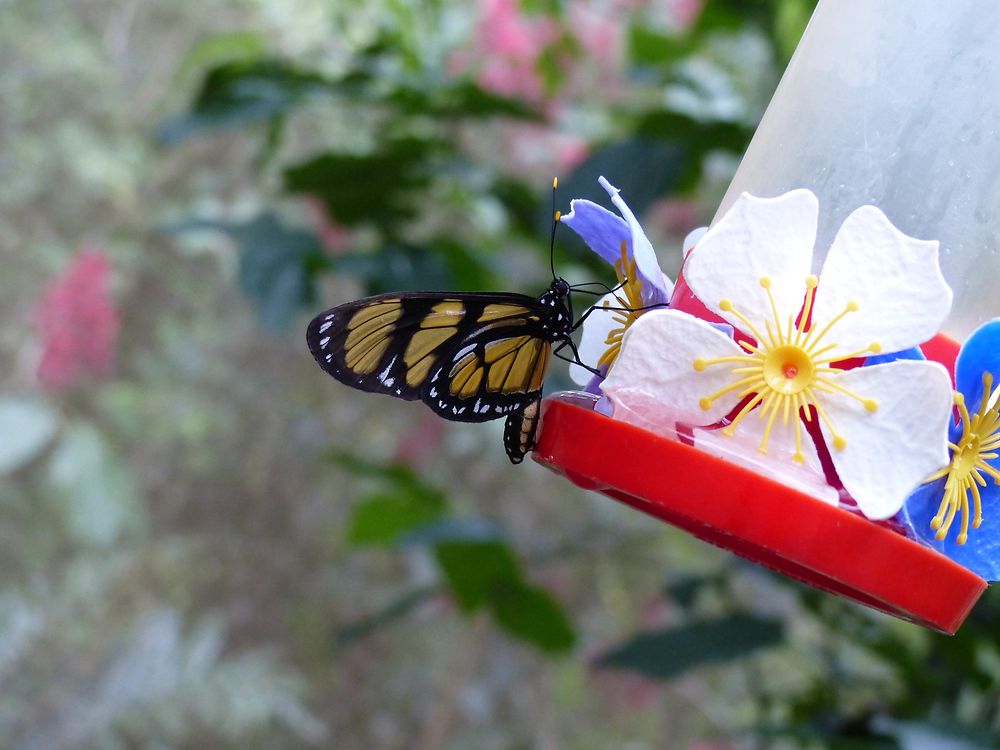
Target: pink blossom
point(531, 146)
point(506, 50)
point(419, 443)
point(78, 323)
point(601, 35)
point(686, 12)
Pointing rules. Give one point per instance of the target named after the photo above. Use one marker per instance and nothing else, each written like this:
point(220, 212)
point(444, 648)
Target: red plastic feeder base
point(757, 517)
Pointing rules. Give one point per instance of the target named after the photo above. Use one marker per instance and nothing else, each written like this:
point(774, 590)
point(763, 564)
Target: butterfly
point(471, 357)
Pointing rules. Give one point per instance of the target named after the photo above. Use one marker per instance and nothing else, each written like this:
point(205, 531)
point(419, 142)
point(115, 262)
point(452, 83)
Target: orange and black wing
point(470, 357)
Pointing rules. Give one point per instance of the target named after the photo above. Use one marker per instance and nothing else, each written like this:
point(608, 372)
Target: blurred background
point(207, 542)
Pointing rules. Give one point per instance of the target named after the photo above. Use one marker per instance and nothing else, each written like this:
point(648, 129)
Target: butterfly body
point(471, 357)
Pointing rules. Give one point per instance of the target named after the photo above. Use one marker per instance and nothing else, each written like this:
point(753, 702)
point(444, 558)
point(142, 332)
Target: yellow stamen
point(788, 368)
point(969, 468)
point(630, 301)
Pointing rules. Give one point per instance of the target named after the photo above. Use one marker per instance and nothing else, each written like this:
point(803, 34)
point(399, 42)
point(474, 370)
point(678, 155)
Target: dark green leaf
point(651, 48)
point(475, 570)
point(238, 93)
point(389, 614)
point(382, 517)
point(277, 265)
point(274, 270)
point(462, 99)
point(643, 169)
point(397, 267)
point(791, 17)
point(665, 654)
point(531, 614)
point(685, 590)
point(375, 188)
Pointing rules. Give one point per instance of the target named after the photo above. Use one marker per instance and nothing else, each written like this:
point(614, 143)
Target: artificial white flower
point(879, 291)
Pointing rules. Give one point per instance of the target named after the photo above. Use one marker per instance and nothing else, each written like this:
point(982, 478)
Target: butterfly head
point(560, 288)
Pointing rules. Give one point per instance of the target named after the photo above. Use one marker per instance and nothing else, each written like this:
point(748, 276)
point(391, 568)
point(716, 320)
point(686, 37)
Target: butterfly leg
point(575, 359)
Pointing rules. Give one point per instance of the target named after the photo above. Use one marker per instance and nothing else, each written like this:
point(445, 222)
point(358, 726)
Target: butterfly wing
point(471, 357)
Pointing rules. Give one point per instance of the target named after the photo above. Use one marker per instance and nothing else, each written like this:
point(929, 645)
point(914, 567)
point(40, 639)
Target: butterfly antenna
point(555, 223)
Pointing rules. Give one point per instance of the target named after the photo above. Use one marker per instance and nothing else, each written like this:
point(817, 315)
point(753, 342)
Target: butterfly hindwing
point(495, 371)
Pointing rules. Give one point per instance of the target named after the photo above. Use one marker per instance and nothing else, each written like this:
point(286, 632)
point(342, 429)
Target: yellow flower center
point(969, 458)
point(630, 300)
point(787, 369)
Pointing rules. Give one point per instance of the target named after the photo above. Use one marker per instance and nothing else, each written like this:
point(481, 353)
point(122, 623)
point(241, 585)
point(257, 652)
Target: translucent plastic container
point(895, 105)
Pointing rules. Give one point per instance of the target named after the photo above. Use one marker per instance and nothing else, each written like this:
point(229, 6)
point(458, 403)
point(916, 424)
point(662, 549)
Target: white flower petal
point(889, 452)
point(654, 375)
point(592, 345)
point(895, 280)
point(692, 239)
point(741, 449)
point(757, 237)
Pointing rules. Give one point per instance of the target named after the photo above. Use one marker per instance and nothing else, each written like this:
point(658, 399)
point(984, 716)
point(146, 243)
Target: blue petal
point(980, 353)
point(599, 228)
point(879, 359)
point(604, 233)
point(655, 289)
point(981, 552)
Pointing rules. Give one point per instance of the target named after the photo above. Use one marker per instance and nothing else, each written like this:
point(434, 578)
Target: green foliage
point(277, 265)
point(486, 574)
point(236, 94)
point(478, 567)
point(533, 615)
point(476, 571)
point(664, 654)
point(377, 186)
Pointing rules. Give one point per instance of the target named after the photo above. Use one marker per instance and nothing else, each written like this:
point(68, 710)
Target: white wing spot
point(329, 357)
point(325, 326)
point(384, 375)
point(324, 341)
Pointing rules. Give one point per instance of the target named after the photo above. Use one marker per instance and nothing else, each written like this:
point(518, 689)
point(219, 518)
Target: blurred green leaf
point(649, 47)
point(382, 517)
point(532, 615)
point(664, 654)
point(229, 47)
point(243, 92)
point(475, 570)
point(98, 490)
point(445, 98)
point(791, 18)
point(277, 265)
point(396, 267)
point(442, 265)
point(643, 169)
point(377, 188)
point(395, 610)
point(27, 426)
point(685, 590)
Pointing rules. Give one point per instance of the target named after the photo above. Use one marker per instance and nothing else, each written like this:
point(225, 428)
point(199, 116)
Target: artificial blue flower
point(957, 510)
point(604, 233)
point(621, 242)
